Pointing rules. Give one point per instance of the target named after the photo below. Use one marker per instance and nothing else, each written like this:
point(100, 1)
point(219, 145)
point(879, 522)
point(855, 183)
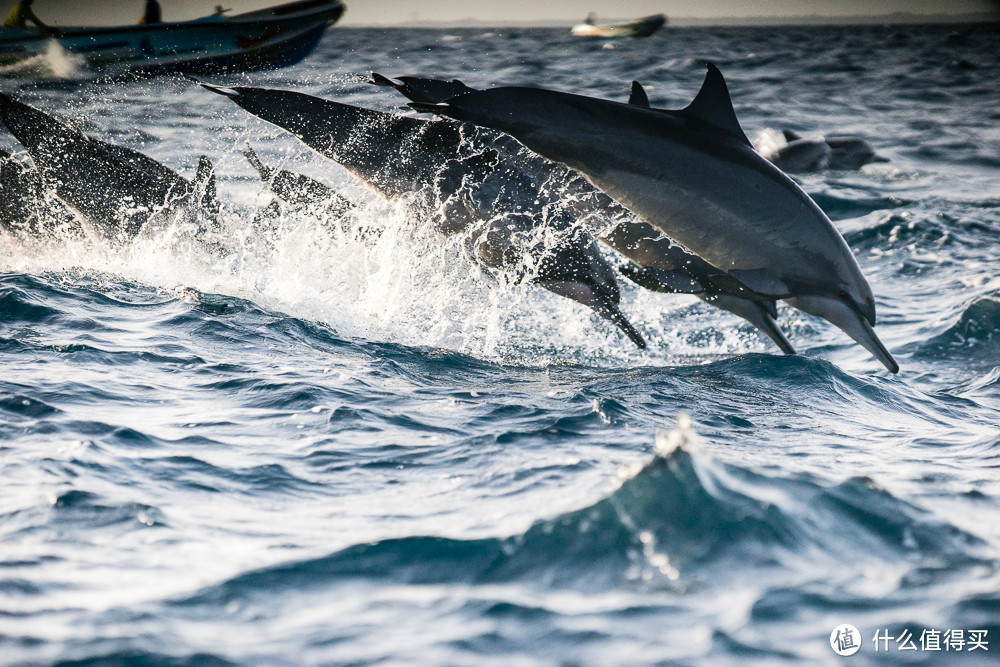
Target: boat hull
point(267, 39)
point(643, 27)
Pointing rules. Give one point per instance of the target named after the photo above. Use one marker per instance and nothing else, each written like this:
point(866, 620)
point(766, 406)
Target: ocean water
point(323, 448)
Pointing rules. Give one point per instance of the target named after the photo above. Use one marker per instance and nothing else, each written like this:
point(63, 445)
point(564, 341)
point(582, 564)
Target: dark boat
point(267, 39)
point(643, 27)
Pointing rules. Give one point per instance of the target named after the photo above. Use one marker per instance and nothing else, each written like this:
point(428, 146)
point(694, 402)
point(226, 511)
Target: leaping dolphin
point(472, 190)
point(115, 189)
point(694, 175)
point(663, 266)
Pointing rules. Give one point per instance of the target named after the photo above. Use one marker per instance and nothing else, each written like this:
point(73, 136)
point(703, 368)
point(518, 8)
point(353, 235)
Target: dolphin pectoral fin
point(658, 280)
point(762, 282)
point(638, 96)
point(850, 321)
point(758, 313)
point(602, 305)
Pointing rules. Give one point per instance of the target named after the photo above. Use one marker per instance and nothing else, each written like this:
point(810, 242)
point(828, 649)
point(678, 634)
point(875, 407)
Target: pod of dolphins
point(530, 178)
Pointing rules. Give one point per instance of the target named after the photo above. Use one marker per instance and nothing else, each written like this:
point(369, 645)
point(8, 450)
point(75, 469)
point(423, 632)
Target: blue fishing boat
point(266, 39)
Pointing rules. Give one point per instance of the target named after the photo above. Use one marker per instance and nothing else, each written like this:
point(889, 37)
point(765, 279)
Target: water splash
point(53, 63)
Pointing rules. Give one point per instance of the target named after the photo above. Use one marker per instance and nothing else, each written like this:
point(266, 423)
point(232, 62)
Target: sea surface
point(331, 448)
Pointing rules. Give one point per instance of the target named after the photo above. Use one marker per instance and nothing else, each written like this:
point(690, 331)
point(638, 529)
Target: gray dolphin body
point(114, 188)
point(663, 266)
point(462, 179)
point(695, 176)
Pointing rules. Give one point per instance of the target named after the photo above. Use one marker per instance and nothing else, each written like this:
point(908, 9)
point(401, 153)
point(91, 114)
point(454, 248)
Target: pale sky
point(507, 12)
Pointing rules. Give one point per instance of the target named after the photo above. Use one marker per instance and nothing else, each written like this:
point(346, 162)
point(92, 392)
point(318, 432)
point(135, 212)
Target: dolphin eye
point(844, 295)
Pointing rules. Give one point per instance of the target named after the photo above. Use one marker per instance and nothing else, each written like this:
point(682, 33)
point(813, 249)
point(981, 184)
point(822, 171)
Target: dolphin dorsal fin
point(713, 107)
point(251, 155)
point(791, 135)
point(638, 96)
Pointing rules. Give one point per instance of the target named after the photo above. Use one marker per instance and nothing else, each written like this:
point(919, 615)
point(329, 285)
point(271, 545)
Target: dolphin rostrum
point(694, 175)
point(115, 189)
point(663, 265)
point(465, 182)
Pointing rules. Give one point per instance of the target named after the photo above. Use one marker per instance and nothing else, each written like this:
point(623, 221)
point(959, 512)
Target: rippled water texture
point(328, 449)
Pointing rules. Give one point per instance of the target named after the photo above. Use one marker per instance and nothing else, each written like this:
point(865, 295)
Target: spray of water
point(382, 273)
point(52, 63)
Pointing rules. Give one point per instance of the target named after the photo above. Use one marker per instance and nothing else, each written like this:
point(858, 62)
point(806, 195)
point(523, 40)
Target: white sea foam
point(53, 63)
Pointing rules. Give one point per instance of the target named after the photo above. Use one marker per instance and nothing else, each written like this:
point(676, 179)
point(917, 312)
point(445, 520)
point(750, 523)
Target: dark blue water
point(331, 449)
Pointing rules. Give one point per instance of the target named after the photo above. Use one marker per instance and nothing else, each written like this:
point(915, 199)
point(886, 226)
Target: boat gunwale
point(325, 7)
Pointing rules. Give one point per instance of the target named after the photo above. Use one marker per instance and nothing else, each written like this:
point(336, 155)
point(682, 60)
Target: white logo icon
point(845, 639)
